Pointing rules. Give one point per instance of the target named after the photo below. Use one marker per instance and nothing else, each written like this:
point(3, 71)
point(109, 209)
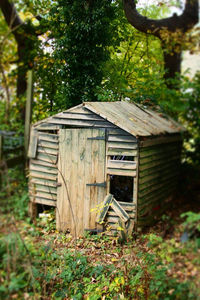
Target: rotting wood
point(154, 187)
point(122, 145)
point(158, 174)
point(44, 195)
point(121, 172)
point(42, 188)
point(45, 144)
point(42, 175)
point(47, 157)
point(121, 152)
point(158, 163)
point(44, 182)
point(159, 140)
point(33, 144)
point(49, 137)
point(119, 210)
point(48, 126)
point(121, 138)
point(42, 201)
point(160, 192)
point(121, 164)
point(112, 213)
point(44, 169)
point(79, 116)
point(47, 150)
point(83, 123)
point(105, 207)
point(42, 163)
point(155, 181)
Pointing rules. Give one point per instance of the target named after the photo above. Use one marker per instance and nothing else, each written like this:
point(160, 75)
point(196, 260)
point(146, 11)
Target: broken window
point(121, 187)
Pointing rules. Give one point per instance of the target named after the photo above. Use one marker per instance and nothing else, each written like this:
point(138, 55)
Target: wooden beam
point(28, 115)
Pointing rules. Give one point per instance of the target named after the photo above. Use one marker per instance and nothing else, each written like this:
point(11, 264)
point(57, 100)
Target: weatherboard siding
point(157, 180)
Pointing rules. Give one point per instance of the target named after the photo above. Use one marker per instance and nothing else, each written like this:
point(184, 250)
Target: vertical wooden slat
point(28, 114)
point(81, 161)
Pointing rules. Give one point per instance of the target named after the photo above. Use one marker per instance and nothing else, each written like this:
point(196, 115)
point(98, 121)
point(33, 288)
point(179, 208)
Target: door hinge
point(101, 184)
point(58, 184)
point(97, 138)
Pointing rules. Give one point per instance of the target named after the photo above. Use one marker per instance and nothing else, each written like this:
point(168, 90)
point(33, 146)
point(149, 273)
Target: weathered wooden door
point(81, 178)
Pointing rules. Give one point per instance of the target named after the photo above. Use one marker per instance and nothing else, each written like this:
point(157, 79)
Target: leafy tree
point(171, 31)
point(83, 30)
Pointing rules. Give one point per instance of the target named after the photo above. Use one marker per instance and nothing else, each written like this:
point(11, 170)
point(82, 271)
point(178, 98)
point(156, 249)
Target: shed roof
point(133, 118)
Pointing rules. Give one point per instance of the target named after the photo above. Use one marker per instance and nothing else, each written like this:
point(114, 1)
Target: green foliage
point(192, 226)
point(81, 33)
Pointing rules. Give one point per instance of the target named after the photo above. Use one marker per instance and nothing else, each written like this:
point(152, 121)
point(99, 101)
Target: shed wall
point(159, 167)
point(44, 169)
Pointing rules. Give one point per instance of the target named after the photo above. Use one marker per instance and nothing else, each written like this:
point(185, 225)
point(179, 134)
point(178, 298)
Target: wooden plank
point(64, 210)
point(121, 152)
point(157, 192)
point(157, 169)
point(122, 138)
point(121, 172)
point(79, 116)
point(48, 126)
point(119, 210)
point(45, 182)
point(33, 143)
point(81, 161)
point(160, 140)
point(28, 114)
point(112, 213)
point(97, 174)
point(121, 164)
point(43, 201)
point(49, 137)
point(47, 150)
point(159, 174)
point(45, 144)
point(42, 188)
point(159, 156)
point(157, 152)
point(44, 195)
point(127, 206)
point(47, 157)
point(105, 207)
point(118, 131)
point(154, 181)
point(158, 162)
point(42, 175)
point(43, 169)
point(42, 163)
point(154, 187)
point(82, 123)
point(123, 145)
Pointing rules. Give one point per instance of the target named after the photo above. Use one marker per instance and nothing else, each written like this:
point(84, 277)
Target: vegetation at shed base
point(38, 262)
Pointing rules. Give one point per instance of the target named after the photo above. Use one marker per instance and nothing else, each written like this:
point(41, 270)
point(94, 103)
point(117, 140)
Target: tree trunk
point(171, 25)
point(172, 64)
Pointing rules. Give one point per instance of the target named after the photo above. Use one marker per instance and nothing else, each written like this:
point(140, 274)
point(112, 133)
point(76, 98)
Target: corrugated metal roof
point(134, 118)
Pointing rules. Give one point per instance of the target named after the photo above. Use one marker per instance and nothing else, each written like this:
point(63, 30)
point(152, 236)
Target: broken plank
point(119, 210)
point(106, 204)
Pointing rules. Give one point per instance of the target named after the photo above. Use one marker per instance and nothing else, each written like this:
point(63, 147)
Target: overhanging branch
point(184, 22)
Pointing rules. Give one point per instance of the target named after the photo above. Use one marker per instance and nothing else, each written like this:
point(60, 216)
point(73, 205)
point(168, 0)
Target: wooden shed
point(100, 163)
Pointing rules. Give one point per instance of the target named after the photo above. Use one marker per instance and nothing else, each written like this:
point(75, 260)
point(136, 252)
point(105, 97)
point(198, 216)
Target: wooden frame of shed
point(74, 156)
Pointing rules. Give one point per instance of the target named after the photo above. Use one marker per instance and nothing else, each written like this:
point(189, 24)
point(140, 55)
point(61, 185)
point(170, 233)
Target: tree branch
point(11, 17)
point(184, 22)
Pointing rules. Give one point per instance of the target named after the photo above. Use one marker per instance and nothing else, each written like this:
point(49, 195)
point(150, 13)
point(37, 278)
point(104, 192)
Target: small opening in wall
point(122, 157)
point(122, 188)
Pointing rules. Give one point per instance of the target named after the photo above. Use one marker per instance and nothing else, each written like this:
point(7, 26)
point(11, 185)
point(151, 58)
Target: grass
point(37, 262)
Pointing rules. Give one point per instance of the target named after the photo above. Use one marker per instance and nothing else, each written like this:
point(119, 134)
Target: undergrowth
point(37, 262)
